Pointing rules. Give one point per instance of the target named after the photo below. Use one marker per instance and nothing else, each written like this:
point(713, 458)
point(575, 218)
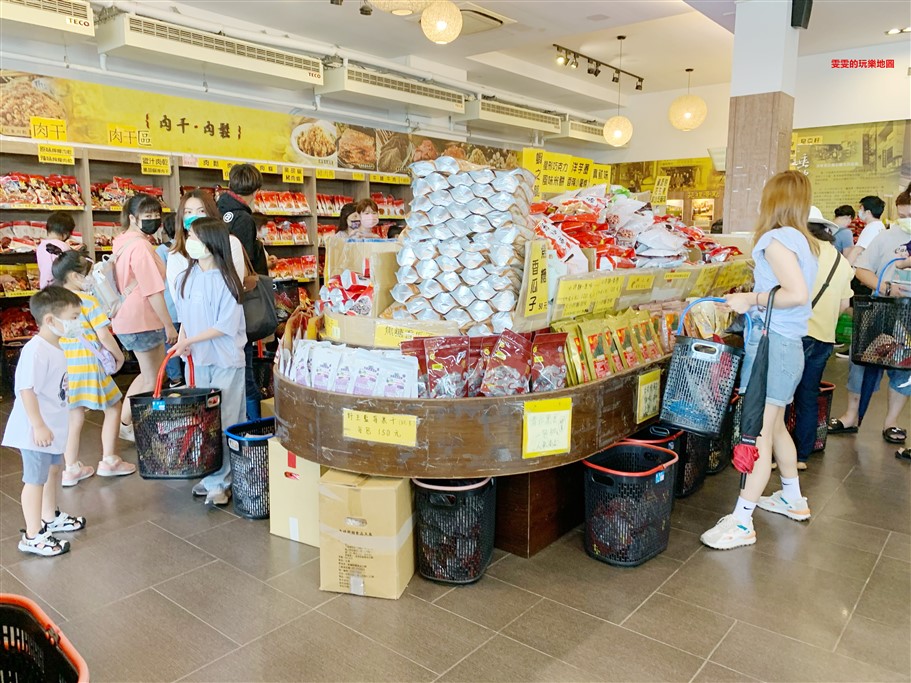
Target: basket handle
point(160, 379)
point(717, 300)
point(882, 274)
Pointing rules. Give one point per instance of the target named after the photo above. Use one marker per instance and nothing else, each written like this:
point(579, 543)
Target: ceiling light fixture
point(687, 112)
point(561, 59)
point(441, 21)
point(571, 58)
point(639, 84)
point(616, 78)
point(574, 62)
point(618, 130)
point(893, 31)
point(594, 68)
point(400, 8)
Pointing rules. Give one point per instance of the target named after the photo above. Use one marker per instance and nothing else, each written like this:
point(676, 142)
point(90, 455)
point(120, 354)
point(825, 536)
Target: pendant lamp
point(441, 21)
point(618, 130)
point(687, 112)
point(400, 8)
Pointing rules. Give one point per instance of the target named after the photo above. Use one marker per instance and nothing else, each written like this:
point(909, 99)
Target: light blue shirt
point(206, 303)
point(844, 239)
point(788, 322)
point(163, 250)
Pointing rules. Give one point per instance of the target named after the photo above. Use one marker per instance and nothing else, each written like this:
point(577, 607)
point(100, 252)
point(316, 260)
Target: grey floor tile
point(791, 598)
point(898, 547)
point(772, 657)
point(840, 532)
point(239, 606)
point(609, 652)
point(11, 521)
point(887, 596)
point(872, 506)
point(10, 584)
point(144, 638)
point(715, 673)
point(488, 602)
point(505, 660)
point(249, 546)
point(10, 460)
point(680, 624)
point(682, 545)
point(302, 584)
point(877, 643)
point(312, 648)
point(428, 635)
point(425, 589)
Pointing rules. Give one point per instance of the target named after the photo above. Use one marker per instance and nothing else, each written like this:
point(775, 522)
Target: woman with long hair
point(786, 256)
point(213, 331)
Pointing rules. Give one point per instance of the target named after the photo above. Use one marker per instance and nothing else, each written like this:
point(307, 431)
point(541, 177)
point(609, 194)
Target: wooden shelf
point(40, 207)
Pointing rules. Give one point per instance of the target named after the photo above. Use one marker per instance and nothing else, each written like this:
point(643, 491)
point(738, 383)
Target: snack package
point(648, 337)
point(595, 348)
point(479, 351)
point(626, 341)
point(612, 348)
point(576, 369)
point(398, 378)
point(509, 366)
point(32, 276)
point(300, 364)
point(348, 365)
point(367, 368)
point(415, 348)
point(324, 361)
point(548, 362)
point(447, 366)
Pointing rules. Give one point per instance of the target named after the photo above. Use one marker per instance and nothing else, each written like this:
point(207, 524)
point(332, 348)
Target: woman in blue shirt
point(786, 256)
point(213, 331)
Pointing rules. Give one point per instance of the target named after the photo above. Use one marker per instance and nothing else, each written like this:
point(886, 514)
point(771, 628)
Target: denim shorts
point(36, 466)
point(142, 341)
point(786, 361)
point(896, 379)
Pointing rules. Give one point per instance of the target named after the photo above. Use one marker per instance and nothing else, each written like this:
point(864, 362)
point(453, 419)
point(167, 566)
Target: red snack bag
point(509, 366)
point(548, 362)
point(479, 351)
point(415, 347)
point(447, 366)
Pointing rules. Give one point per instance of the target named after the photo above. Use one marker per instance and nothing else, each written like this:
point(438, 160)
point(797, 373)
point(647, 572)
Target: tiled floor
point(159, 589)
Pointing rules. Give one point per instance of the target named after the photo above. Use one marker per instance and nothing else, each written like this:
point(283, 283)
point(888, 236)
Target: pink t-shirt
point(137, 262)
point(46, 260)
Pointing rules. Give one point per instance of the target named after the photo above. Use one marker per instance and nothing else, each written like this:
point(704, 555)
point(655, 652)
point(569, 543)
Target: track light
point(639, 84)
point(616, 78)
point(561, 58)
point(366, 10)
point(571, 58)
point(336, 2)
point(594, 68)
point(574, 64)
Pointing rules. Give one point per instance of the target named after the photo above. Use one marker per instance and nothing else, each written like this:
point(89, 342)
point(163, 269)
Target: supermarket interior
point(469, 397)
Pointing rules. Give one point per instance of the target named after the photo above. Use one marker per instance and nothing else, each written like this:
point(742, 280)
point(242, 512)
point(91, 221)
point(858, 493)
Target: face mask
point(354, 225)
point(188, 221)
point(150, 225)
point(197, 250)
point(70, 329)
point(904, 224)
point(88, 284)
point(369, 221)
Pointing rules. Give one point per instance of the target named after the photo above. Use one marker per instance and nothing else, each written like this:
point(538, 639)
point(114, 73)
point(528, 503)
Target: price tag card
point(676, 277)
point(331, 329)
point(357, 176)
point(47, 129)
point(226, 167)
point(206, 162)
point(56, 154)
point(390, 336)
point(607, 291)
point(292, 174)
point(155, 164)
point(575, 296)
point(547, 427)
point(396, 430)
point(640, 283)
point(704, 281)
point(325, 174)
point(267, 168)
point(537, 291)
point(648, 396)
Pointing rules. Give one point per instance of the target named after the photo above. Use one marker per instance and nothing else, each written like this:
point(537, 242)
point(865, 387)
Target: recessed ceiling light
point(907, 29)
point(893, 31)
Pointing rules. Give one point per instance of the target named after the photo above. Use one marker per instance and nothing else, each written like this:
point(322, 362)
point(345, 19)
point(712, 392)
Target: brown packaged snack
point(626, 342)
point(479, 351)
point(548, 362)
point(415, 347)
point(447, 366)
point(613, 349)
point(509, 366)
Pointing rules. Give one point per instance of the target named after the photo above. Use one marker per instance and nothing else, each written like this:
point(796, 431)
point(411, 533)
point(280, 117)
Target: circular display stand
point(454, 438)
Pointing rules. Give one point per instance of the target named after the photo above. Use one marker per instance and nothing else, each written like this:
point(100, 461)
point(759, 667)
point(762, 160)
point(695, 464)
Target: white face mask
point(69, 329)
point(196, 250)
point(369, 220)
point(904, 224)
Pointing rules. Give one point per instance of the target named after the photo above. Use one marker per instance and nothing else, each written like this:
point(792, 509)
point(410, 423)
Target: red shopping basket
point(178, 435)
point(700, 380)
point(823, 413)
point(32, 648)
point(693, 464)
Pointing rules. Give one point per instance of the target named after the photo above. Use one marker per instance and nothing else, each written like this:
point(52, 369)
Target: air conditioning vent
point(510, 115)
point(353, 84)
point(37, 17)
point(147, 39)
point(580, 132)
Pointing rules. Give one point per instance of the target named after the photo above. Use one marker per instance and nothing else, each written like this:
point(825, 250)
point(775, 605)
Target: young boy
point(38, 423)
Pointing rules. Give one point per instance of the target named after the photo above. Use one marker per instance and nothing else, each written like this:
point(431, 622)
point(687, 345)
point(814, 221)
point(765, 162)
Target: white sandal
point(65, 523)
point(44, 544)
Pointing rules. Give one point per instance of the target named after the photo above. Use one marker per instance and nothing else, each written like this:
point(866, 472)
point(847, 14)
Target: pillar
point(763, 81)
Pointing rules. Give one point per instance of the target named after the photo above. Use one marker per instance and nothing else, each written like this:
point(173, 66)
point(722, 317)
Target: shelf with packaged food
point(44, 208)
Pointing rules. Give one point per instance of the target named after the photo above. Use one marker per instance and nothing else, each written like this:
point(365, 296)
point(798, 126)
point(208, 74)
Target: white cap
point(816, 217)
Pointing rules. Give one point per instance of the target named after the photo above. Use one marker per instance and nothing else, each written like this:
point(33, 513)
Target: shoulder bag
point(102, 354)
point(259, 306)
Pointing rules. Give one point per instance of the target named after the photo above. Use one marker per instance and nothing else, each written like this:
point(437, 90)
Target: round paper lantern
point(441, 21)
point(400, 8)
point(687, 112)
point(618, 130)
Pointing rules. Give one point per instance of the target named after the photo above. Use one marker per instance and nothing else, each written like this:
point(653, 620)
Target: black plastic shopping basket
point(693, 464)
point(718, 449)
point(629, 497)
point(32, 648)
point(823, 413)
point(263, 364)
point(248, 445)
point(178, 434)
point(882, 329)
point(456, 522)
point(700, 380)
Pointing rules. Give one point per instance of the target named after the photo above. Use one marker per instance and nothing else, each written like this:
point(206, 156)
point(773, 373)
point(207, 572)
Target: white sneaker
point(798, 509)
point(729, 533)
point(126, 433)
point(218, 496)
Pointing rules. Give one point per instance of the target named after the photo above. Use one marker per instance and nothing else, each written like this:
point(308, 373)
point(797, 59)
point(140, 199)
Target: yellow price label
point(390, 336)
point(607, 291)
point(325, 174)
point(640, 283)
point(292, 174)
point(704, 281)
point(357, 176)
point(575, 296)
point(396, 430)
point(56, 154)
point(675, 277)
point(267, 168)
point(155, 164)
point(206, 162)
point(547, 427)
point(226, 167)
point(402, 180)
point(47, 129)
point(648, 396)
point(537, 291)
point(331, 329)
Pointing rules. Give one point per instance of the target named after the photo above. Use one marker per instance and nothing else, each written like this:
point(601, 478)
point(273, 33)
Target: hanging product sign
point(533, 160)
point(555, 172)
point(659, 194)
point(155, 164)
point(56, 154)
point(601, 174)
point(580, 174)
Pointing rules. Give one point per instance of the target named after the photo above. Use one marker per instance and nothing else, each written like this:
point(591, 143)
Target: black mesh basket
point(456, 520)
point(32, 648)
point(248, 445)
point(692, 464)
point(882, 330)
point(629, 496)
point(11, 351)
point(262, 373)
point(719, 449)
point(823, 413)
point(178, 434)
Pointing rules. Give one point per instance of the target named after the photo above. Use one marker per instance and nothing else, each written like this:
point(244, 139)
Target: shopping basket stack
point(178, 434)
point(718, 449)
point(693, 463)
point(882, 329)
point(248, 445)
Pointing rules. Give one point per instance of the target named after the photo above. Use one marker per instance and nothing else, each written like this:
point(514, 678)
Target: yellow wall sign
point(659, 194)
point(325, 174)
point(389, 179)
point(292, 174)
point(555, 172)
point(331, 329)
point(648, 396)
point(575, 296)
point(155, 164)
point(600, 174)
point(128, 136)
point(547, 427)
point(537, 290)
point(607, 291)
point(580, 173)
point(47, 129)
point(533, 160)
point(676, 276)
point(267, 168)
point(56, 154)
point(390, 336)
point(396, 430)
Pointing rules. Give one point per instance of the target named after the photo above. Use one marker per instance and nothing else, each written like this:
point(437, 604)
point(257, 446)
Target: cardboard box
point(342, 255)
point(381, 333)
point(293, 495)
point(366, 534)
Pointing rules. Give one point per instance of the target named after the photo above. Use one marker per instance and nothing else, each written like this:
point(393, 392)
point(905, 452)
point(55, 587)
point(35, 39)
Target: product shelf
point(40, 207)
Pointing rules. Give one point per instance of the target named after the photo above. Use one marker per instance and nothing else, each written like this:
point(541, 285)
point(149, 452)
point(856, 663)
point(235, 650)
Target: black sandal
point(895, 435)
point(836, 426)
point(903, 454)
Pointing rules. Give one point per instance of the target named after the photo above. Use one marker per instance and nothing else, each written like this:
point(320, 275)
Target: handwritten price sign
point(547, 427)
point(396, 430)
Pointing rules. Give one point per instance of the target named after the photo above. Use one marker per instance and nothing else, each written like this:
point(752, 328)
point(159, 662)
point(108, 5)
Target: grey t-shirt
point(886, 246)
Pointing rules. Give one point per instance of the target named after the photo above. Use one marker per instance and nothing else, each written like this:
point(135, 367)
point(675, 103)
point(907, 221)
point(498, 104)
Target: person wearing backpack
point(142, 322)
point(60, 227)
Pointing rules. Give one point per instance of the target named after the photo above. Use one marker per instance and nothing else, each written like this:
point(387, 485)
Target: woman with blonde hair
point(786, 256)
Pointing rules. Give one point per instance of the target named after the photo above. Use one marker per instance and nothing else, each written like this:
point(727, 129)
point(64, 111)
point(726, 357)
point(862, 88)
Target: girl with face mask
point(90, 386)
point(368, 218)
point(143, 323)
point(214, 332)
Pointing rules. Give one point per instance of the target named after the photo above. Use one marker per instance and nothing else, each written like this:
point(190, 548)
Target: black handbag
point(259, 307)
